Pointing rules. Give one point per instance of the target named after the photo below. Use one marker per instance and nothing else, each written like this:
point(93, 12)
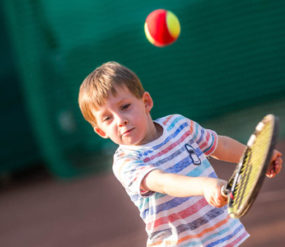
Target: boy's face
point(125, 119)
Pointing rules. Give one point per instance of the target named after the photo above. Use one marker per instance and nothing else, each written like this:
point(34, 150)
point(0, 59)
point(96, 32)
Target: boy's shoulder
point(137, 152)
point(127, 153)
point(170, 119)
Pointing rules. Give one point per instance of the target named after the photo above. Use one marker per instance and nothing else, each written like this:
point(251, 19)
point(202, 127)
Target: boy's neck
point(155, 131)
point(159, 130)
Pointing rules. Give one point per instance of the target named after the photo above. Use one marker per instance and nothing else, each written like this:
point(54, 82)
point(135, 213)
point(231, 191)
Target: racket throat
point(241, 171)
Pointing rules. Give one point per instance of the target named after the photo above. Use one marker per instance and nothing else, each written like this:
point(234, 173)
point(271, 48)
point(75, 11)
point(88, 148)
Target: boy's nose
point(123, 122)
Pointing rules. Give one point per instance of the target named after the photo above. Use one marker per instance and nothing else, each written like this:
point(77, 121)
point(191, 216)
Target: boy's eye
point(106, 118)
point(126, 106)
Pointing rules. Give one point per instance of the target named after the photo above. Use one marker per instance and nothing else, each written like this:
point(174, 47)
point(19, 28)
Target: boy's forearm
point(176, 185)
point(182, 186)
point(228, 150)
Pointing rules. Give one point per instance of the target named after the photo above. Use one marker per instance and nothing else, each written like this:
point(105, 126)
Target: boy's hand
point(212, 192)
point(275, 164)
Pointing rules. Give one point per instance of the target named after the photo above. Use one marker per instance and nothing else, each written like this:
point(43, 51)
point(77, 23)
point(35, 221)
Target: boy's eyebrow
point(122, 100)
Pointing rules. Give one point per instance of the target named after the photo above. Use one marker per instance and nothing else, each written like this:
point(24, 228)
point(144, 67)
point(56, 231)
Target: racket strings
point(248, 176)
point(251, 168)
point(242, 180)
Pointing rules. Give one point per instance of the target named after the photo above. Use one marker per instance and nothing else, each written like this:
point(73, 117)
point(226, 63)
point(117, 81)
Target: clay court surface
point(39, 211)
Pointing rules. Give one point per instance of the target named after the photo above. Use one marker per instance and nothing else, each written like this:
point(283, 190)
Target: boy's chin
point(131, 142)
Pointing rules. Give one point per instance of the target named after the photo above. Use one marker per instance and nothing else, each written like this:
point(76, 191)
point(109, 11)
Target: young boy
point(163, 164)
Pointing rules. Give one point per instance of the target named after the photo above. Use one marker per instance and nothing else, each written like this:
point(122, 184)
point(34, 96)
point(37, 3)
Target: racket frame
point(229, 189)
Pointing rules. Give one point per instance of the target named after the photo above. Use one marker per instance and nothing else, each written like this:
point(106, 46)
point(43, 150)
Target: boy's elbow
point(155, 181)
point(228, 150)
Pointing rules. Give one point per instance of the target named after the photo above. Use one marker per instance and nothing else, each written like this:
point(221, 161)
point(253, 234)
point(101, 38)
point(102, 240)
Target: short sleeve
point(206, 139)
point(130, 170)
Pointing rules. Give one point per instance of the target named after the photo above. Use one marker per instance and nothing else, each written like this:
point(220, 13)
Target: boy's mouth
point(125, 133)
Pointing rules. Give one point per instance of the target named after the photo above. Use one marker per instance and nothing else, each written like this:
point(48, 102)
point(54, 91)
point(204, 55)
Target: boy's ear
point(148, 102)
point(100, 132)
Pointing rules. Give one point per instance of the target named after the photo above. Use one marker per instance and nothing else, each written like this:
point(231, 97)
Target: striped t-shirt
point(172, 221)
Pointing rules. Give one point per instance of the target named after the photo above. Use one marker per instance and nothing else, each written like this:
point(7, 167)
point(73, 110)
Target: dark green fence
point(18, 144)
point(230, 55)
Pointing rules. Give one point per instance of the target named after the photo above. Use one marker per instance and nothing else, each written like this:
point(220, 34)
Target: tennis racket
point(246, 181)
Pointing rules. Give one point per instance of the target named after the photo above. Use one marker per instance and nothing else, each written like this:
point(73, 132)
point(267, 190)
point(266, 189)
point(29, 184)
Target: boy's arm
point(183, 186)
point(228, 150)
point(231, 150)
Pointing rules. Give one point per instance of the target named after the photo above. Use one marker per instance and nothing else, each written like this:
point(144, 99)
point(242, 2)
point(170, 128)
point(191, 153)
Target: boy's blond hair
point(98, 85)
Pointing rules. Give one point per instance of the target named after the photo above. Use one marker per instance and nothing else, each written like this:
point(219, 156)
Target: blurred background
point(225, 71)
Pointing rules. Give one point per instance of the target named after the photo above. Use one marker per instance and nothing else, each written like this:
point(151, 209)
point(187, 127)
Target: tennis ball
point(161, 27)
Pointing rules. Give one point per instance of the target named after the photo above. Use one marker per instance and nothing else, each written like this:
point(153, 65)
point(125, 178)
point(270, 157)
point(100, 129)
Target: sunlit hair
point(102, 82)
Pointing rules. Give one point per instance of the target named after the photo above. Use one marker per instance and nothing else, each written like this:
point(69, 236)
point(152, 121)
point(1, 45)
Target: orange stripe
point(191, 126)
point(199, 235)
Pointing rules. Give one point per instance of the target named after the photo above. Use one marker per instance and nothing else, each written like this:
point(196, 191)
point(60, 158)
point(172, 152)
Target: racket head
point(249, 175)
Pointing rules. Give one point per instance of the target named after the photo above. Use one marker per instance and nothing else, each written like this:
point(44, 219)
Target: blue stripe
point(201, 136)
point(213, 175)
point(195, 131)
point(143, 202)
point(171, 204)
point(214, 235)
point(193, 173)
point(179, 166)
point(213, 213)
point(170, 157)
point(159, 195)
point(173, 135)
point(134, 197)
point(165, 206)
point(198, 170)
point(236, 231)
point(176, 153)
point(223, 231)
point(177, 119)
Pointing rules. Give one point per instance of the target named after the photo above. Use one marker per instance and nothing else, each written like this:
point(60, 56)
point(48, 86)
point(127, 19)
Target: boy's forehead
point(121, 89)
point(121, 94)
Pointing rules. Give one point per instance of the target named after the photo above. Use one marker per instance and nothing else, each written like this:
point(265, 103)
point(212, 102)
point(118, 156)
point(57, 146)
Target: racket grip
point(224, 191)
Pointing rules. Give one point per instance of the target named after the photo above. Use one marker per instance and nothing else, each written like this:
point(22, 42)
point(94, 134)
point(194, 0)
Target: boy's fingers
point(221, 203)
point(221, 200)
point(278, 166)
point(275, 167)
point(271, 172)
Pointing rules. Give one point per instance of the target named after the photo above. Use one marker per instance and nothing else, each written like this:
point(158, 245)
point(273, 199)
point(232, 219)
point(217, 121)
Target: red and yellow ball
point(162, 27)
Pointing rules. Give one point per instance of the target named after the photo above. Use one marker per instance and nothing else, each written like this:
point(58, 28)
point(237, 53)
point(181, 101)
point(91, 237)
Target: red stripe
point(232, 244)
point(166, 150)
point(180, 215)
point(206, 141)
point(213, 146)
point(188, 237)
point(167, 119)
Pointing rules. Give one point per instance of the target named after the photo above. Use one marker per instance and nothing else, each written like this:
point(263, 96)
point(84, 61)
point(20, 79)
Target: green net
point(230, 54)
point(18, 145)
